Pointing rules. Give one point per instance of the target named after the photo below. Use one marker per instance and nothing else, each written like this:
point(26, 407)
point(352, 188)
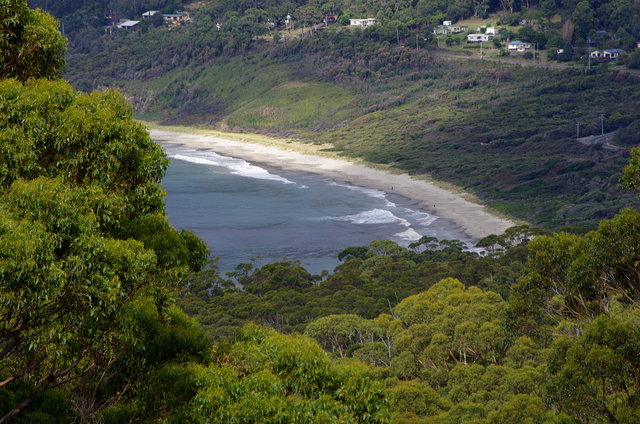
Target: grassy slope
point(504, 133)
point(510, 142)
point(241, 94)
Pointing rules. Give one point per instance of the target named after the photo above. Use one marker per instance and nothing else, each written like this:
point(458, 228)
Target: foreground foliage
point(259, 377)
point(30, 45)
point(535, 331)
point(79, 183)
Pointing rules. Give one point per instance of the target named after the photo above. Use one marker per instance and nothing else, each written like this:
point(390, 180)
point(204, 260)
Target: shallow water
point(248, 212)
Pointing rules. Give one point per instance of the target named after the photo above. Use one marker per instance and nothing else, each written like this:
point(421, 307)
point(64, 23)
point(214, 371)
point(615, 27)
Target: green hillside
point(505, 132)
point(386, 94)
point(502, 132)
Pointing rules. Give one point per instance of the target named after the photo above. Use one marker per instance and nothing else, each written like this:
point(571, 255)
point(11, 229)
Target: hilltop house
point(479, 38)
point(149, 14)
point(447, 29)
point(607, 53)
point(127, 24)
point(518, 46)
point(362, 22)
point(175, 18)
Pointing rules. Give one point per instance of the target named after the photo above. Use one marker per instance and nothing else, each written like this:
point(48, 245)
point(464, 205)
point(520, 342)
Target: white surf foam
point(371, 192)
point(408, 235)
point(423, 218)
point(373, 216)
point(235, 166)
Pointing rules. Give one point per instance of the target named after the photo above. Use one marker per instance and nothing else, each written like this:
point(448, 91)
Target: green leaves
point(338, 333)
point(631, 173)
point(265, 377)
point(63, 280)
point(597, 373)
point(30, 44)
point(579, 276)
point(49, 129)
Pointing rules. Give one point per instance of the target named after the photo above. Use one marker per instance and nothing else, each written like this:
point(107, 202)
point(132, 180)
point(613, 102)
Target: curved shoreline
point(476, 221)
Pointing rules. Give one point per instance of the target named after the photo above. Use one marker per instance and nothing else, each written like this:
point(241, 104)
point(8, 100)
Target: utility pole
point(481, 50)
point(397, 35)
point(417, 46)
point(589, 54)
point(602, 123)
point(577, 130)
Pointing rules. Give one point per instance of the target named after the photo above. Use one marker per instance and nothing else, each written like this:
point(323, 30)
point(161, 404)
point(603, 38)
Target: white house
point(608, 53)
point(457, 29)
point(149, 14)
point(479, 38)
point(362, 22)
point(127, 24)
point(491, 31)
point(450, 29)
point(518, 46)
point(446, 23)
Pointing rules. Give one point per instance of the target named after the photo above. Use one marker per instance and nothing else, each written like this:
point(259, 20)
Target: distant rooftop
point(128, 24)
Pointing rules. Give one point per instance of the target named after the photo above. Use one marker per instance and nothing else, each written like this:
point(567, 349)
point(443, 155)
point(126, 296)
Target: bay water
point(247, 212)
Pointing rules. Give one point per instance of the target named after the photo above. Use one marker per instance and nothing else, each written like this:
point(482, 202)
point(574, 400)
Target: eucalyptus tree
point(30, 44)
point(83, 235)
point(264, 377)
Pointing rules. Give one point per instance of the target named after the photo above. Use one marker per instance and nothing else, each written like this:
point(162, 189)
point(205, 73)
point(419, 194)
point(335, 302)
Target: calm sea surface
point(248, 212)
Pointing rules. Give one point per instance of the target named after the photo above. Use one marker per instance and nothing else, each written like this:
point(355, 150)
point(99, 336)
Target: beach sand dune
point(474, 218)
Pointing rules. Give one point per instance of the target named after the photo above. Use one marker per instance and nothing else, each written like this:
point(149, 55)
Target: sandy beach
point(474, 218)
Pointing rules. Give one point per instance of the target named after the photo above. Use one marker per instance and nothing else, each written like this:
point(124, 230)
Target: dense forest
point(97, 287)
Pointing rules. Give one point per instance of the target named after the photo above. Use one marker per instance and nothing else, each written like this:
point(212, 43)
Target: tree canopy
point(79, 184)
point(30, 44)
